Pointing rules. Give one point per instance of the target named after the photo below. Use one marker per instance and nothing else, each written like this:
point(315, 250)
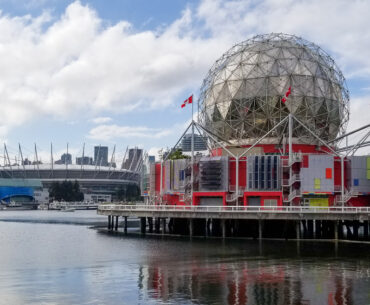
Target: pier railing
point(239, 209)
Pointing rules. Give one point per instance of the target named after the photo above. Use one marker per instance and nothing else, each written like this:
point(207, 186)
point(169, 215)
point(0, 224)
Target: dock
point(290, 222)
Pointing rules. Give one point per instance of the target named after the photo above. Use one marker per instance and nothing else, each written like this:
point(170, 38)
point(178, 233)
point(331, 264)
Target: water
point(46, 258)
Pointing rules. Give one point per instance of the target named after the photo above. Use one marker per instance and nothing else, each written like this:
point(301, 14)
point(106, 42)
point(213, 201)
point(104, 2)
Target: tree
point(121, 193)
point(66, 191)
point(177, 154)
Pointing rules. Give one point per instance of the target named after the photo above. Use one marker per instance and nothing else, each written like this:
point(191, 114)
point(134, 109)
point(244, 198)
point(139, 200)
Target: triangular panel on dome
point(286, 53)
point(275, 70)
point(287, 66)
point(296, 84)
point(306, 55)
point(226, 72)
point(314, 105)
point(311, 66)
point(224, 94)
point(253, 86)
point(293, 103)
point(233, 114)
point(267, 66)
point(271, 103)
point(245, 69)
point(273, 52)
point(305, 108)
point(260, 86)
point(210, 111)
point(241, 93)
point(296, 51)
point(256, 72)
point(321, 87)
point(236, 58)
point(234, 86)
point(322, 115)
point(237, 74)
point(250, 58)
point(263, 58)
point(301, 69)
point(320, 72)
point(223, 107)
point(307, 86)
point(216, 115)
point(337, 92)
point(218, 78)
point(279, 85)
point(216, 90)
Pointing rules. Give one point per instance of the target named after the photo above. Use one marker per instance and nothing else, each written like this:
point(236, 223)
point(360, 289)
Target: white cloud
point(101, 120)
point(154, 151)
point(76, 65)
point(107, 132)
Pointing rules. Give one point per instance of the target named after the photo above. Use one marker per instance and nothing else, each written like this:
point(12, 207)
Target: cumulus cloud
point(76, 64)
point(107, 132)
point(101, 120)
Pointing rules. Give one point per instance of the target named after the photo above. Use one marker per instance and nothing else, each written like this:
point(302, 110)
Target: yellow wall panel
point(317, 183)
point(319, 202)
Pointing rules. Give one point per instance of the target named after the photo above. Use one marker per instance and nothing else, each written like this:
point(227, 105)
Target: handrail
point(294, 178)
point(243, 209)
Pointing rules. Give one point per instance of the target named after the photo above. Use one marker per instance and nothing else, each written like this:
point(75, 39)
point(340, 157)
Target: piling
point(143, 225)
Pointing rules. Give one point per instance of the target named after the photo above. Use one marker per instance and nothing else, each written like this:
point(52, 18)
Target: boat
point(67, 209)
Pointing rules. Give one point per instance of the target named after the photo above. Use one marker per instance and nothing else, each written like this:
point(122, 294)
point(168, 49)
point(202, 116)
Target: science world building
point(274, 111)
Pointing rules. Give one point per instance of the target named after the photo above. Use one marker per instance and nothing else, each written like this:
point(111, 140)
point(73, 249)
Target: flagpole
point(192, 151)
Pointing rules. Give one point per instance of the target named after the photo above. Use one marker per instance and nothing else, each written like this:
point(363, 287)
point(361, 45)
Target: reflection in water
point(257, 281)
point(46, 263)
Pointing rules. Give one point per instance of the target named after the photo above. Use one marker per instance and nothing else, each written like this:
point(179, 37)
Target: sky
point(116, 72)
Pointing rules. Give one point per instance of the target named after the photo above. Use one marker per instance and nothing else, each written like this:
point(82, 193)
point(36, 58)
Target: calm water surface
point(55, 258)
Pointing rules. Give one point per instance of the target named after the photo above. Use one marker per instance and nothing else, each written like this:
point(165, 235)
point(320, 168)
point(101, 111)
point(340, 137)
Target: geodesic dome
point(241, 97)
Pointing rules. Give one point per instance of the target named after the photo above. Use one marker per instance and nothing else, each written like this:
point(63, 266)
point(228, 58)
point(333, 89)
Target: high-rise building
point(101, 155)
point(84, 160)
point(199, 143)
point(134, 157)
point(64, 159)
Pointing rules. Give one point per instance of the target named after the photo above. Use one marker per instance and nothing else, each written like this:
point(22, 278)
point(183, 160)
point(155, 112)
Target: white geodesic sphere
point(241, 97)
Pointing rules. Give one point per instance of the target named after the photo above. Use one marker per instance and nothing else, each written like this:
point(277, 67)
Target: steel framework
point(241, 97)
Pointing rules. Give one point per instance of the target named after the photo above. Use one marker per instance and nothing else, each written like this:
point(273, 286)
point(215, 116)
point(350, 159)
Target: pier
point(289, 222)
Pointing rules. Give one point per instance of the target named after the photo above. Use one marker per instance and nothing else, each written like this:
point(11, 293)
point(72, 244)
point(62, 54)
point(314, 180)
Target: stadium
point(25, 182)
point(274, 110)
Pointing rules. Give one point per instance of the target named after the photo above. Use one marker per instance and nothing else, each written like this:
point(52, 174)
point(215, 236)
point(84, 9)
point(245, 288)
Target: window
point(270, 202)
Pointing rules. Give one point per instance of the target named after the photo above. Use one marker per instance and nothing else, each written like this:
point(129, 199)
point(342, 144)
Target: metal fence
point(239, 209)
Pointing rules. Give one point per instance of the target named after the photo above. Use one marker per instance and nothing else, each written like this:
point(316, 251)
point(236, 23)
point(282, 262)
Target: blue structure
point(18, 189)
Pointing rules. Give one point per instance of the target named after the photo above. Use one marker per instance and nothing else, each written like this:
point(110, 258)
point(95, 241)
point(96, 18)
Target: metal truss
point(241, 97)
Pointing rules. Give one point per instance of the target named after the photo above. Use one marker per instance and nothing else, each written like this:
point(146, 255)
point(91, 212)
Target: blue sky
point(115, 72)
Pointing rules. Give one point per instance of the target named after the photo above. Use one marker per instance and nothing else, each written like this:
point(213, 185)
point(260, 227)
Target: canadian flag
point(286, 95)
point(187, 101)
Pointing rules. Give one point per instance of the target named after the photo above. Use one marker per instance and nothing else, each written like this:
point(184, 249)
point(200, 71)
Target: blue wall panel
point(8, 192)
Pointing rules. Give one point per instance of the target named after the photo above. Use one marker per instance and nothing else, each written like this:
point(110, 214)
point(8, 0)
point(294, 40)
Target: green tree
point(66, 191)
point(177, 154)
point(121, 193)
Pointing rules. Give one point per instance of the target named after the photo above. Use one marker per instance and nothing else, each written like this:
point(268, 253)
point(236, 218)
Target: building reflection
point(246, 283)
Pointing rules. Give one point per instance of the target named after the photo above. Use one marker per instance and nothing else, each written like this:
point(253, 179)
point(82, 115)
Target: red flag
point(187, 101)
point(286, 95)
point(288, 92)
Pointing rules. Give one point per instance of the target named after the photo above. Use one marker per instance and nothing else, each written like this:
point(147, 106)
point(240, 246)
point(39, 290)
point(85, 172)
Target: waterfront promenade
point(253, 221)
